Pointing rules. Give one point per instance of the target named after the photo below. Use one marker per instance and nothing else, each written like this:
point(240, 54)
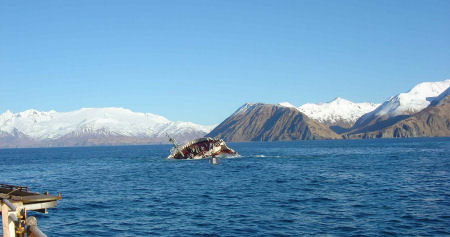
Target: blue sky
point(200, 60)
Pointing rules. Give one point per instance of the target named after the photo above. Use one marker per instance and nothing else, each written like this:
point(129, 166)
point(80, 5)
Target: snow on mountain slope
point(338, 112)
point(107, 121)
point(413, 101)
point(439, 99)
point(287, 104)
point(243, 108)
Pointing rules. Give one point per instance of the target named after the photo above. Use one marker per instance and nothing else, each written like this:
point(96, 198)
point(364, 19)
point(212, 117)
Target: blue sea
point(382, 187)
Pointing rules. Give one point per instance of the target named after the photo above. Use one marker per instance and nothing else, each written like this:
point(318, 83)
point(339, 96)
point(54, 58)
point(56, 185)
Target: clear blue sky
point(200, 60)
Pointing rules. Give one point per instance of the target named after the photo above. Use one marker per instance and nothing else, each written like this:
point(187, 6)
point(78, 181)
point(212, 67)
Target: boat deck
point(15, 202)
point(23, 194)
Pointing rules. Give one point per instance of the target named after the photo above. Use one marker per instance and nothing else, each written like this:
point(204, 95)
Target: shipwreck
point(200, 148)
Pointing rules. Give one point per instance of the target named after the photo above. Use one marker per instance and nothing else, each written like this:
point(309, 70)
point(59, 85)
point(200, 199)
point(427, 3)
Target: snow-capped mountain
point(429, 122)
point(51, 127)
point(404, 104)
point(269, 122)
point(338, 112)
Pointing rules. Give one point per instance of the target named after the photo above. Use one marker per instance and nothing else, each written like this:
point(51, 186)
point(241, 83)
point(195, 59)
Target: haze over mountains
point(422, 111)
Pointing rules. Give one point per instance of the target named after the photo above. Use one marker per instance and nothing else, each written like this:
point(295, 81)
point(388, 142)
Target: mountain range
point(264, 122)
point(421, 111)
point(91, 126)
point(400, 106)
point(430, 122)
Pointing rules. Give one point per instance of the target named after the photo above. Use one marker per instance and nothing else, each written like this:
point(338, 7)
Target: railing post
point(7, 223)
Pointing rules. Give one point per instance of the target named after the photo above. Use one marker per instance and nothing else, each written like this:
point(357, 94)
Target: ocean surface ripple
point(387, 187)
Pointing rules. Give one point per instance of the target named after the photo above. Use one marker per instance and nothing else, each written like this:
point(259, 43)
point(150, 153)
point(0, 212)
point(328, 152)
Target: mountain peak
point(429, 88)
point(111, 121)
point(416, 99)
point(8, 112)
point(340, 100)
point(403, 104)
point(269, 122)
point(287, 104)
point(244, 108)
point(338, 112)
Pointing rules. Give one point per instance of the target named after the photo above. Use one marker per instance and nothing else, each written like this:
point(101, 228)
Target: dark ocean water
point(336, 188)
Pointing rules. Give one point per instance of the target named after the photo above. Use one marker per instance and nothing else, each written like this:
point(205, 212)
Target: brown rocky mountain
point(375, 124)
point(16, 139)
point(265, 122)
point(433, 121)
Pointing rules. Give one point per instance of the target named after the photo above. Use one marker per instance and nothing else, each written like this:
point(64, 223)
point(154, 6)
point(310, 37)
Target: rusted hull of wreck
point(201, 148)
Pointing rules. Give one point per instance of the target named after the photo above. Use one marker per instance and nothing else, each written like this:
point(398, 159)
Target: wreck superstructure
point(200, 148)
